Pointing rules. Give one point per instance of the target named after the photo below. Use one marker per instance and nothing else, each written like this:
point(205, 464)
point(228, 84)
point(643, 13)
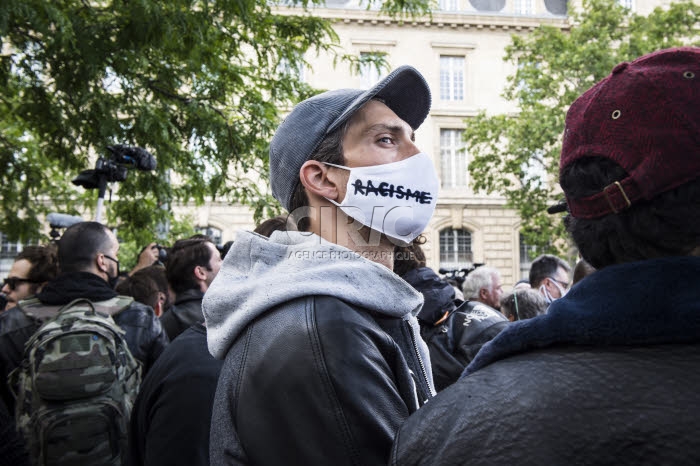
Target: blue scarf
point(649, 302)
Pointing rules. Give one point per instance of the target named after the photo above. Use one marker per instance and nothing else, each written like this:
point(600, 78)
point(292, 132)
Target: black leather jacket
point(186, 312)
point(144, 333)
point(347, 387)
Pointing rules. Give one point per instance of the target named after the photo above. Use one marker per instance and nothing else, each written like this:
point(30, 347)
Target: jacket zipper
point(420, 361)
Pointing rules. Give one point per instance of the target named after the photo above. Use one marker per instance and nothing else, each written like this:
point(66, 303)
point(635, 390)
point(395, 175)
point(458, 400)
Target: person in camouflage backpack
point(77, 385)
point(87, 255)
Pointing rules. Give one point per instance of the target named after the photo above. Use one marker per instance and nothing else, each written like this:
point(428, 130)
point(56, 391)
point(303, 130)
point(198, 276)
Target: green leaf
point(199, 84)
point(517, 156)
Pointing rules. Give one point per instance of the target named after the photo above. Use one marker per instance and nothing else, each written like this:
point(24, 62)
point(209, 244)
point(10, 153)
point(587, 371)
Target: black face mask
point(112, 280)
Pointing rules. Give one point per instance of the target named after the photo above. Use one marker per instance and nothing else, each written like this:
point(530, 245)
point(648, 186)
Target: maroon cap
point(645, 116)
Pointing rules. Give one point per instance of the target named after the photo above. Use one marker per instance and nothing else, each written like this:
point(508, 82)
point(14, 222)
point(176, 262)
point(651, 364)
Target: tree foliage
point(517, 155)
point(199, 84)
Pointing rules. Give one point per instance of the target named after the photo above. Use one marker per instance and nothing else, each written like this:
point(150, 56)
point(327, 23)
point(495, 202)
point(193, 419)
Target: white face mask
point(548, 296)
point(397, 199)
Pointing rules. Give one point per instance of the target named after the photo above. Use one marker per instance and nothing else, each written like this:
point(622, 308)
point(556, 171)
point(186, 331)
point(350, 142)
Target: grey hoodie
point(259, 274)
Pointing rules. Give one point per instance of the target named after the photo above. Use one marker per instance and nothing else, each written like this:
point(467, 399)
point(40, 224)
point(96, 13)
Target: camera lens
point(162, 254)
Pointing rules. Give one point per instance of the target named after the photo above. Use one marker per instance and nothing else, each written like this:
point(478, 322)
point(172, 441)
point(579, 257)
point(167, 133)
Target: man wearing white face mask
point(550, 276)
point(323, 356)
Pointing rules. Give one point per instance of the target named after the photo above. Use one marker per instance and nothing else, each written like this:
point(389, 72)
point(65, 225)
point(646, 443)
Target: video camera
point(113, 168)
point(458, 275)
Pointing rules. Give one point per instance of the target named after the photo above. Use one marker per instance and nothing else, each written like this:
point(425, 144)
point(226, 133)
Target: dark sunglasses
point(12, 282)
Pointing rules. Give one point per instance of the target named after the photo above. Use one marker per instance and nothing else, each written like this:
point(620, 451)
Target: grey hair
point(523, 304)
point(480, 278)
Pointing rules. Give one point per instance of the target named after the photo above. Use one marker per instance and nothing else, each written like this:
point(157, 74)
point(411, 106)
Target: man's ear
point(199, 273)
point(483, 293)
point(319, 180)
point(160, 304)
point(101, 263)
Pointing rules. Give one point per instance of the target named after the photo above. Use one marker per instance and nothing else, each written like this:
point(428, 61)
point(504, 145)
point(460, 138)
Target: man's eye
point(386, 139)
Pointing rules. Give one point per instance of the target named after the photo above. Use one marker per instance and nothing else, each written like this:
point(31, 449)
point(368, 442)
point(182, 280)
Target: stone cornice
point(464, 20)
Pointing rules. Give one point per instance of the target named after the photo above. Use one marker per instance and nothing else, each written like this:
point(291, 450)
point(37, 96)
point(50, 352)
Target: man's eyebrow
point(395, 129)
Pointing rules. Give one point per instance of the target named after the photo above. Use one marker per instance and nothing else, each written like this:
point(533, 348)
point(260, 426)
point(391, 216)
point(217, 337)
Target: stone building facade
point(459, 50)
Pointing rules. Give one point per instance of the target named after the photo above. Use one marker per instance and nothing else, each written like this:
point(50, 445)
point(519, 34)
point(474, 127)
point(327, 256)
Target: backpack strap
point(35, 309)
point(113, 306)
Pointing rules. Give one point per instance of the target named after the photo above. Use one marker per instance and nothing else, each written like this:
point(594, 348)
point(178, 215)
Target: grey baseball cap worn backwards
point(404, 91)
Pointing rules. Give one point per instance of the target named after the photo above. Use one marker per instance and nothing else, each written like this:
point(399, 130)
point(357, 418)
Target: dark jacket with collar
point(171, 416)
point(144, 334)
point(186, 312)
point(608, 376)
point(455, 341)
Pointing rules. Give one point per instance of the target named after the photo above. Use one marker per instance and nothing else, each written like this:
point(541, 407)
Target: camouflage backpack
point(77, 384)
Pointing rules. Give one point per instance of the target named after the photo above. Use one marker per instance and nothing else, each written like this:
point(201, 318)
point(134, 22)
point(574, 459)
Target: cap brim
point(561, 206)
point(404, 91)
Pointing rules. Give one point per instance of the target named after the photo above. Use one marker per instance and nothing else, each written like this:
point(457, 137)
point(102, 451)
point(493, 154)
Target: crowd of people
point(322, 337)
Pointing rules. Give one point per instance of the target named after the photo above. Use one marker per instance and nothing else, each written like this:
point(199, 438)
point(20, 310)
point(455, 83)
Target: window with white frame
point(213, 233)
point(525, 67)
point(534, 172)
point(9, 248)
point(527, 253)
point(455, 248)
point(453, 159)
point(451, 77)
point(448, 5)
point(369, 74)
point(524, 7)
point(285, 67)
point(629, 4)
